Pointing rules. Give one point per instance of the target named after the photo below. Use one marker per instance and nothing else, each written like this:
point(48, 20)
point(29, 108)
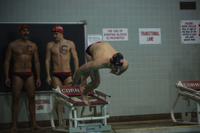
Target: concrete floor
point(154, 126)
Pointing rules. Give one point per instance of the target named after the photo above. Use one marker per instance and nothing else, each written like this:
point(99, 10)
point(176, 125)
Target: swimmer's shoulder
point(32, 43)
point(13, 43)
point(50, 44)
point(69, 42)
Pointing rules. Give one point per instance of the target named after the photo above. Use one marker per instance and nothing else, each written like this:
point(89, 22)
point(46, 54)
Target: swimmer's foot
point(14, 128)
point(35, 127)
point(61, 123)
point(85, 99)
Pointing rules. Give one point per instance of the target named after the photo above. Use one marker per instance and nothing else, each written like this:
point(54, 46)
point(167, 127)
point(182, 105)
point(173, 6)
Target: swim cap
point(22, 27)
point(58, 28)
point(117, 59)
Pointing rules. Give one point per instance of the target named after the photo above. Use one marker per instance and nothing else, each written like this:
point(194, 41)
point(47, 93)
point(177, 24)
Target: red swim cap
point(58, 28)
point(22, 27)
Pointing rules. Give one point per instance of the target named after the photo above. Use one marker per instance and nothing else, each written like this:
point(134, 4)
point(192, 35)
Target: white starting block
point(71, 97)
point(189, 90)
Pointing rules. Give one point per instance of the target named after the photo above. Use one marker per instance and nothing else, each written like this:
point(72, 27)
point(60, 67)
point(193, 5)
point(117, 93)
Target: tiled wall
point(147, 87)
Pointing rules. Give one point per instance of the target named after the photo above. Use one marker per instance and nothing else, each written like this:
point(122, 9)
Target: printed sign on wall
point(120, 34)
point(149, 36)
point(93, 38)
point(43, 104)
point(190, 31)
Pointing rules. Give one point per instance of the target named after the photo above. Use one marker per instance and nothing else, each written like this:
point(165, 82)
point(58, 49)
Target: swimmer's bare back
point(102, 50)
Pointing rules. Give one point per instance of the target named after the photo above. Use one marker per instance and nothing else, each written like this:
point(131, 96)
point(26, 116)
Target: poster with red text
point(115, 34)
point(43, 104)
point(190, 31)
point(149, 36)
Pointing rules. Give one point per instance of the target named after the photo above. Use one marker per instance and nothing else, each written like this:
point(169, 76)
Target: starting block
point(189, 90)
point(71, 97)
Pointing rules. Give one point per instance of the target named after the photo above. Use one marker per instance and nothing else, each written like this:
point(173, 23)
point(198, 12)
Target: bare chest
point(62, 49)
point(23, 49)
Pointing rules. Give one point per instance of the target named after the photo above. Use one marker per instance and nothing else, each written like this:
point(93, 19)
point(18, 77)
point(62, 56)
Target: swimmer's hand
point(71, 83)
point(38, 82)
point(7, 81)
point(49, 81)
point(116, 72)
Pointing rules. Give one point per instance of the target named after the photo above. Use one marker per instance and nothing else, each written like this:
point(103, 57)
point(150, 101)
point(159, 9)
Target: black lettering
point(29, 48)
point(64, 48)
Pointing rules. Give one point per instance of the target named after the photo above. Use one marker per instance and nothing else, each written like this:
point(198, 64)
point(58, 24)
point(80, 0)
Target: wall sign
point(149, 36)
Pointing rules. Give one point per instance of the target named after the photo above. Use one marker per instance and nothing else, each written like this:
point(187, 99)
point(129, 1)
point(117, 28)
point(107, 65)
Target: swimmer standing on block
point(99, 55)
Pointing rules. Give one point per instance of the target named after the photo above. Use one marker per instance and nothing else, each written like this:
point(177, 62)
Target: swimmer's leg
point(29, 86)
point(95, 77)
point(83, 80)
point(57, 82)
point(17, 85)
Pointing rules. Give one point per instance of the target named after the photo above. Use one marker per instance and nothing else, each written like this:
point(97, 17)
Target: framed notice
point(93, 38)
point(149, 36)
point(116, 34)
point(190, 31)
